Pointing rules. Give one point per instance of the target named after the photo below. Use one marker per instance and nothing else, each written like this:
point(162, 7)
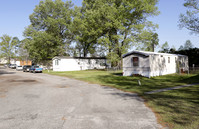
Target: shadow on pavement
point(124, 95)
point(2, 67)
point(5, 72)
point(127, 96)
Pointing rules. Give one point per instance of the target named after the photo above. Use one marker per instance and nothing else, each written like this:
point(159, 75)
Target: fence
point(114, 69)
point(194, 70)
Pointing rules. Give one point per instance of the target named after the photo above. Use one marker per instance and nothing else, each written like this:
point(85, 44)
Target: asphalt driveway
point(41, 101)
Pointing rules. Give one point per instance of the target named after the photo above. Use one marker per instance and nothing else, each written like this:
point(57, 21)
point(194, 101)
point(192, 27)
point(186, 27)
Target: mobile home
point(151, 64)
point(62, 63)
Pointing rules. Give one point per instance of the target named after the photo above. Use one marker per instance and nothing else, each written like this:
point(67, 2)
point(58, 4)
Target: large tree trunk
point(9, 60)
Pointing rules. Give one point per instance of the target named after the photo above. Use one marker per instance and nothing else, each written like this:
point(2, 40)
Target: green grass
point(177, 108)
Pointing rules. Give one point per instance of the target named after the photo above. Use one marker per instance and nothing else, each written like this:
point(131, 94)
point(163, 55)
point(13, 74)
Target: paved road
point(41, 101)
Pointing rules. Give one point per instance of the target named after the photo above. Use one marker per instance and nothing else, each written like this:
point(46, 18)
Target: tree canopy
point(165, 48)
point(8, 46)
point(118, 25)
point(188, 45)
point(99, 27)
point(49, 32)
point(192, 54)
point(190, 20)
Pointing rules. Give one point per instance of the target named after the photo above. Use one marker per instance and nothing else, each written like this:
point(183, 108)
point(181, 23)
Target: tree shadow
point(117, 74)
point(180, 105)
point(193, 79)
point(127, 96)
point(2, 67)
point(5, 72)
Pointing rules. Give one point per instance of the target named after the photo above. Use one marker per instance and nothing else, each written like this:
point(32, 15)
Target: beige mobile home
point(151, 64)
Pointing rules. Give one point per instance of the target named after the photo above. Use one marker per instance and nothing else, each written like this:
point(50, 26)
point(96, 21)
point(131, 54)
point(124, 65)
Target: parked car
point(26, 68)
point(35, 69)
point(19, 68)
point(9, 65)
point(13, 66)
point(6, 65)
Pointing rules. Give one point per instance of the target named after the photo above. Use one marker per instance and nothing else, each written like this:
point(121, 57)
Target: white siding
point(72, 64)
point(18, 63)
point(154, 64)
point(3, 61)
point(143, 68)
point(160, 65)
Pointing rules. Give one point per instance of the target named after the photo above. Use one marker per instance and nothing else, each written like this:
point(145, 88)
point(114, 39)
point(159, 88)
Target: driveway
point(41, 101)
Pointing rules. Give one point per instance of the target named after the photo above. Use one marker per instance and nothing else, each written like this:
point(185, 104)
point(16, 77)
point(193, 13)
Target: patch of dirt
point(22, 80)
point(2, 96)
point(7, 82)
point(61, 86)
point(3, 90)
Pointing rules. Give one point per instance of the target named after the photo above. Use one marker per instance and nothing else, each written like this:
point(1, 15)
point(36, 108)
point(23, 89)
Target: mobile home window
point(89, 61)
point(168, 59)
point(135, 61)
point(97, 61)
point(56, 62)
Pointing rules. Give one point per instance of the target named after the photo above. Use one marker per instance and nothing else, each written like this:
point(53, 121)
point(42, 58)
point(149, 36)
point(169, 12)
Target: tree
point(154, 42)
point(192, 54)
point(180, 48)
point(17, 42)
point(172, 49)
point(8, 46)
point(22, 51)
point(165, 48)
point(150, 42)
point(42, 45)
point(49, 33)
point(190, 20)
point(84, 33)
point(188, 45)
point(118, 24)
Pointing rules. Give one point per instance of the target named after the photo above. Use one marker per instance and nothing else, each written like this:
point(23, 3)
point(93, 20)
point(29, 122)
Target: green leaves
point(8, 46)
point(49, 31)
point(117, 24)
point(43, 46)
point(165, 48)
point(190, 19)
point(108, 26)
point(52, 16)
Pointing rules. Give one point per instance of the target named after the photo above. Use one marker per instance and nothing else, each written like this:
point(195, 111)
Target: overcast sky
point(15, 17)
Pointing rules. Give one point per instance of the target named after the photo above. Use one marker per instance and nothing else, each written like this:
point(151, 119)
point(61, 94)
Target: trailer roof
point(147, 53)
point(67, 57)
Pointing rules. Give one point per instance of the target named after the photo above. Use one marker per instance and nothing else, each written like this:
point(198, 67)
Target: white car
point(19, 68)
point(13, 66)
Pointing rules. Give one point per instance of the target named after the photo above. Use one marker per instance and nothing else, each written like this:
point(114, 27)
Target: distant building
point(23, 62)
point(63, 63)
point(4, 60)
point(151, 64)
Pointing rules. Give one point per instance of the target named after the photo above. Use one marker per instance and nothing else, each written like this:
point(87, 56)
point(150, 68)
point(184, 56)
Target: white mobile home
point(62, 63)
point(151, 64)
point(4, 60)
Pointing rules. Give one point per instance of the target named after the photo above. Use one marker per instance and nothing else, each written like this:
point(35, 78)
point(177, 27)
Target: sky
point(14, 17)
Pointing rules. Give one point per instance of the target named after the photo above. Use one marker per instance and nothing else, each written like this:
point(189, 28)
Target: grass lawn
point(177, 108)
